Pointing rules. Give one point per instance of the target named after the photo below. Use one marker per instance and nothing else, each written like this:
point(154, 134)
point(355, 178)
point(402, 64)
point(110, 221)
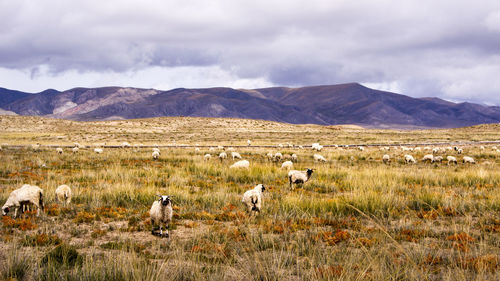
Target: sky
point(443, 48)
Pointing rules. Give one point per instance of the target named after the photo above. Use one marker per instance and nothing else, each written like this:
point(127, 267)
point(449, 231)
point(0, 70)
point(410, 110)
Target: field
point(356, 219)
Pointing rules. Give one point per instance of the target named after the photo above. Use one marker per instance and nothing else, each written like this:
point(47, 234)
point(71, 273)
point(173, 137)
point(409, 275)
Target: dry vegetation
point(357, 218)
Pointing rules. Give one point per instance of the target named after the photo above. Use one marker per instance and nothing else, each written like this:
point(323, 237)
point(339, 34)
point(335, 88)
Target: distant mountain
point(327, 105)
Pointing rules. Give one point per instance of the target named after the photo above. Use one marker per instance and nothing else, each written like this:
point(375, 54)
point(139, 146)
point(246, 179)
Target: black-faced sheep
point(161, 213)
point(252, 198)
point(63, 194)
point(299, 177)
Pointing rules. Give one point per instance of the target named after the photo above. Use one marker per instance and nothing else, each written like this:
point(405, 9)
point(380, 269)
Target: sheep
point(211, 149)
point(449, 148)
point(435, 150)
point(469, 160)
point(220, 147)
point(249, 142)
point(235, 155)
point(287, 165)
point(460, 151)
point(437, 159)
point(280, 145)
point(451, 159)
point(59, 150)
point(63, 194)
point(386, 158)
point(409, 159)
point(155, 155)
point(98, 150)
point(295, 158)
point(252, 198)
point(361, 148)
point(318, 157)
point(240, 164)
point(481, 147)
point(301, 147)
point(270, 156)
point(230, 149)
point(428, 157)
point(26, 194)
point(222, 156)
point(161, 214)
point(75, 149)
point(427, 148)
point(196, 149)
point(278, 156)
point(125, 144)
point(417, 149)
point(316, 146)
point(207, 157)
point(296, 177)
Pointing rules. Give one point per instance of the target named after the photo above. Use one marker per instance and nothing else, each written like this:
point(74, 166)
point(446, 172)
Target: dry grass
point(357, 218)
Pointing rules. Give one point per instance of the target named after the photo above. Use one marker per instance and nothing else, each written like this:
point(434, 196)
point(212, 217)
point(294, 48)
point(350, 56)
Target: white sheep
point(481, 147)
point(222, 156)
point(196, 149)
point(235, 155)
point(469, 160)
point(249, 142)
point(155, 155)
point(230, 149)
point(460, 151)
point(35, 147)
point(98, 150)
point(157, 150)
point(319, 158)
point(207, 157)
point(316, 146)
point(220, 147)
point(125, 144)
point(437, 159)
point(428, 157)
point(301, 147)
point(25, 195)
point(59, 150)
point(270, 156)
point(435, 150)
point(427, 148)
point(409, 159)
point(211, 149)
point(63, 194)
point(295, 158)
point(287, 165)
point(161, 213)
point(240, 164)
point(417, 149)
point(361, 148)
point(252, 198)
point(280, 145)
point(296, 177)
point(451, 159)
point(278, 156)
point(75, 149)
point(386, 158)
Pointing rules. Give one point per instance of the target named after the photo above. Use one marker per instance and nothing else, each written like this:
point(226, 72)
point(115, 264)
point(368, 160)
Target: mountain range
point(349, 103)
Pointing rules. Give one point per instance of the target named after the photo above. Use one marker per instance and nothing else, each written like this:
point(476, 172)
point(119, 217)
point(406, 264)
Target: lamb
point(252, 198)
point(451, 159)
point(235, 155)
point(207, 157)
point(409, 159)
point(222, 156)
point(386, 158)
point(469, 160)
point(295, 158)
point(26, 194)
point(161, 214)
point(437, 159)
point(98, 150)
point(428, 157)
point(296, 177)
point(287, 165)
point(318, 157)
point(63, 194)
point(59, 150)
point(75, 149)
point(155, 155)
point(240, 164)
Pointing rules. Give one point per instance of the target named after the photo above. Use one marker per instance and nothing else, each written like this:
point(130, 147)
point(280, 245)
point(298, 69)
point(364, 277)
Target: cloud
point(442, 48)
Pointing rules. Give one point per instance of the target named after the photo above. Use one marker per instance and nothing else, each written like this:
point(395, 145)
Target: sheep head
point(164, 199)
point(5, 211)
point(260, 187)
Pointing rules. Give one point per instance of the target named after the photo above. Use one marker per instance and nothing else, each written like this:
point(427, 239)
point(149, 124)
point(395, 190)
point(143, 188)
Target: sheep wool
point(63, 194)
point(287, 165)
point(26, 194)
point(59, 150)
point(409, 159)
point(252, 198)
point(240, 164)
point(469, 160)
point(161, 213)
point(207, 157)
point(437, 159)
point(235, 155)
point(75, 149)
point(319, 158)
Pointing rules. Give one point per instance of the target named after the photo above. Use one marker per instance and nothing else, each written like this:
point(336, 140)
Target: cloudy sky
point(449, 49)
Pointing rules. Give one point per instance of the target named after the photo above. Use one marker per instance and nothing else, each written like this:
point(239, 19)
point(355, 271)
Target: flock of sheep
point(161, 212)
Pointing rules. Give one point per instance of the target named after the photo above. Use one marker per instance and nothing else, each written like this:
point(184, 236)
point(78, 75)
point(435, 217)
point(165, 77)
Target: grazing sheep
point(161, 214)
point(59, 150)
point(75, 149)
point(361, 148)
point(428, 157)
point(26, 194)
point(235, 155)
point(230, 149)
point(287, 165)
point(156, 149)
point(278, 156)
point(386, 158)
point(316, 146)
point(301, 147)
point(125, 144)
point(318, 157)
point(63, 194)
point(220, 147)
point(155, 155)
point(451, 159)
point(435, 150)
point(437, 159)
point(240, 164)
point(98, 150)
point(409, 159)
point(469, 160)
point(252, 198)
point(427, 148)
point(417, 149)
point(270, 156)
point(207, 157)
point(296, 177)
point(222, 156)
point(211, 149)
point(196, 149)
point(460, 151)
point(249, 142)
point(449, 148)
point(295, 158)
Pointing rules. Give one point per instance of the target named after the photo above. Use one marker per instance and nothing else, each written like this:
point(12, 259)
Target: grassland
point(356, 219)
